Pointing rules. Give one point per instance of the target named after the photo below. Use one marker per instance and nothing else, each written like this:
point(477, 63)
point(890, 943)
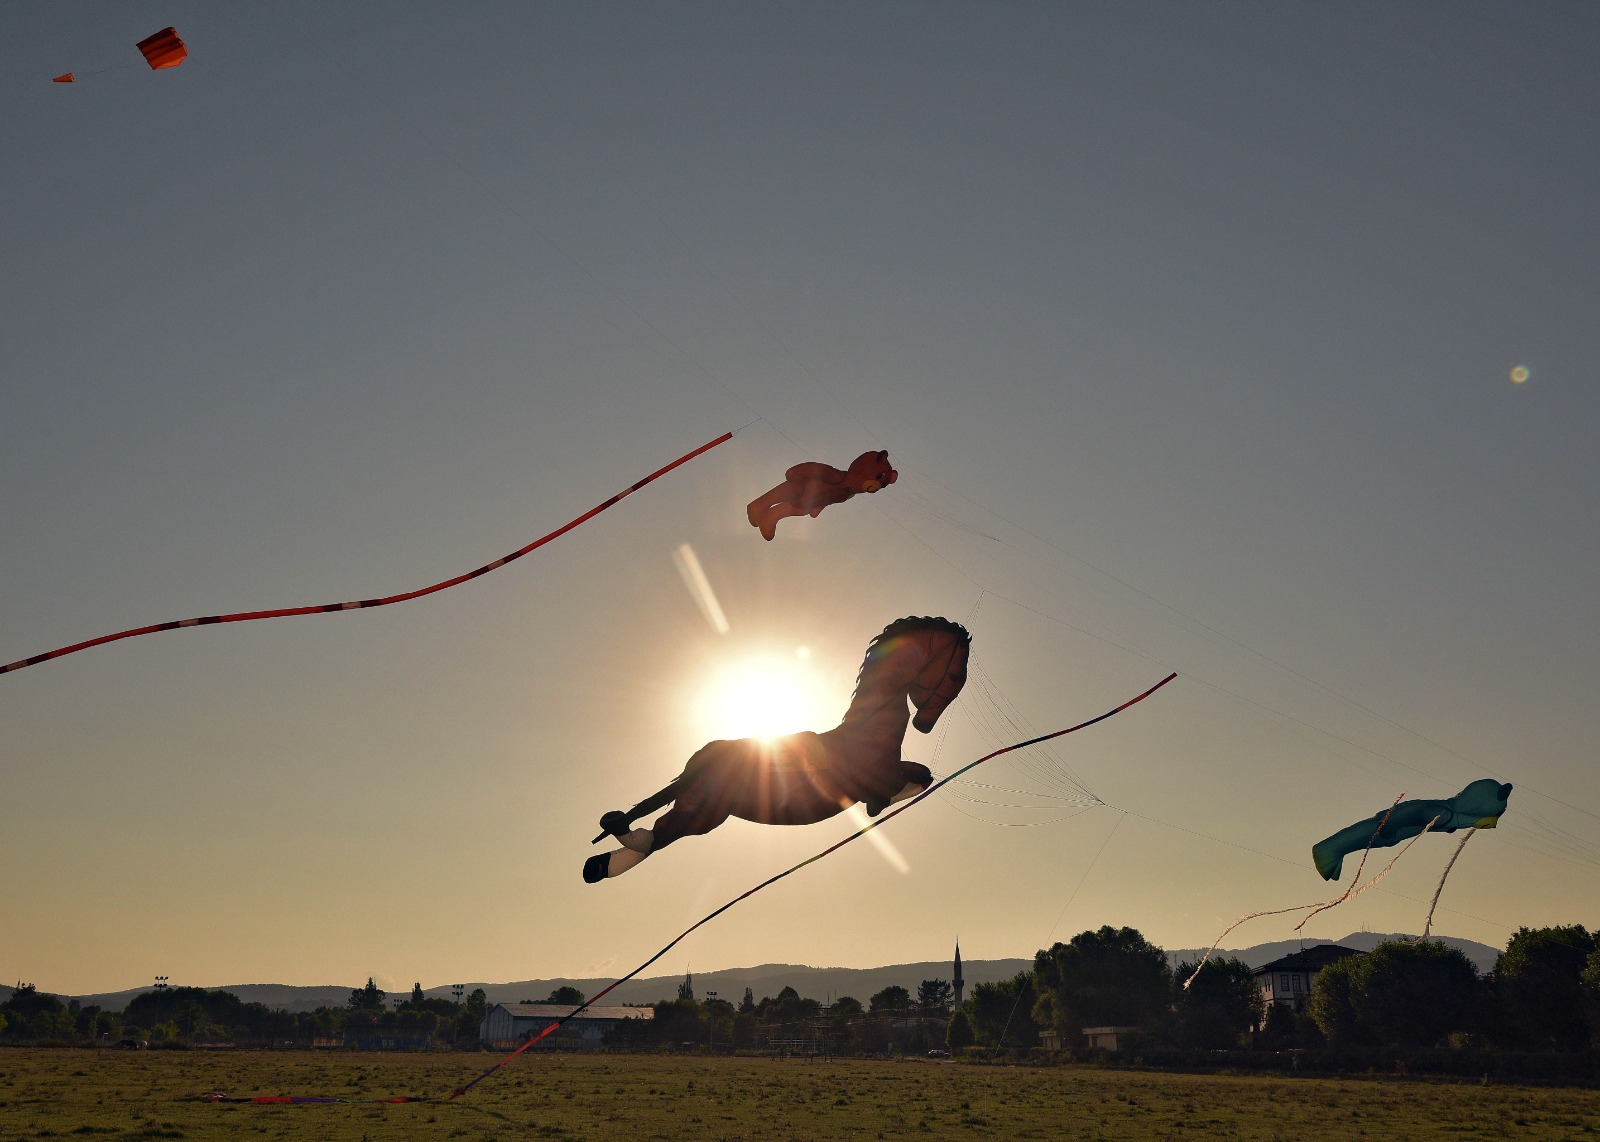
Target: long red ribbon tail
point(885, 819)
point(362, 604)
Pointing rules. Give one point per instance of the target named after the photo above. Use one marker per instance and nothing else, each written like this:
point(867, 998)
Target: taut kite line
point(924, 795)
point(362, 604)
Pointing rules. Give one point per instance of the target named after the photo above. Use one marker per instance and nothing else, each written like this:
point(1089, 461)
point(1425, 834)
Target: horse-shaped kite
point(807, 777)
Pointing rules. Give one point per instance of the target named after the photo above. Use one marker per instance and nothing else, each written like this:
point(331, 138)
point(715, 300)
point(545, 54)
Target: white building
point(507, 1024)
point(1288, 981)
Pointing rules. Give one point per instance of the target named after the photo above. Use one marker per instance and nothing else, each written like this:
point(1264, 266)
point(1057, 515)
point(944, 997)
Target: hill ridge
point(824, 983)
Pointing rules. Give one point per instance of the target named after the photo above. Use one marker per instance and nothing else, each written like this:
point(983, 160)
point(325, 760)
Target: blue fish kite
point(1478, 806)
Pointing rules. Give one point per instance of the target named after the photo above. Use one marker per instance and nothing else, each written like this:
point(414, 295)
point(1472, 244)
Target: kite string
point(1366, 852)
point(1353, 891)
point(883, 820)
point(362, 604)
point(1428, 924)
point(1021, 991)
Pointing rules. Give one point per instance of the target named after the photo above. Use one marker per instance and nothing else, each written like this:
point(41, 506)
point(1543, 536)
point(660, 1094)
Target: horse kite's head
point(932, 653)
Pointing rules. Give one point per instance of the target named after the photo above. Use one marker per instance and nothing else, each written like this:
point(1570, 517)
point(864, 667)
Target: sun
point(766, 696)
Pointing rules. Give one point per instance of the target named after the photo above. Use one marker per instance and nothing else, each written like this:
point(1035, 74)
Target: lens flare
point(1520, 374)
point(694, 578)
point(858, 817)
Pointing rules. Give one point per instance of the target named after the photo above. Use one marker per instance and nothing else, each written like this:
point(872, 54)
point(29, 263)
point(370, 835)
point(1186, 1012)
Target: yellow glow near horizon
point(766, 696)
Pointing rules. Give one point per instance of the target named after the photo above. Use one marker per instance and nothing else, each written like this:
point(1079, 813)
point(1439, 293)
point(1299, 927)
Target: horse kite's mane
point(909, 625)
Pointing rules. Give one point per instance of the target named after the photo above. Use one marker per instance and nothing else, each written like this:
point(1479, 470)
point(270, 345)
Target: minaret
point(956, 980)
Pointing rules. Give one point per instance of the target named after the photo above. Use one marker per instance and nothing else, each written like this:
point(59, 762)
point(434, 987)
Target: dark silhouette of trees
point(1218, 1009)
point(566, 995)
point(1109, 977)
point(37, 1014)
point(27, 1001)
point(893, 999)
point(1539, 983)
point(958, 1033)
point(933, 999)
point(845, 1019)
point(788, 1014)
point(1399, 994)
point(1001, 1014)
point(847, 1006)
point(1332, 1004)
point(367, 998)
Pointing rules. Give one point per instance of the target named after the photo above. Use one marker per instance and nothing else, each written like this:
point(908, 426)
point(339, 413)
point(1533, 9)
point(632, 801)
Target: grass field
point(81, 1094)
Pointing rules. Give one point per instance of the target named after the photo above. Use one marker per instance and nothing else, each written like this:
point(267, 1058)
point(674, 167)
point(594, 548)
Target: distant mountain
point(1480, 954)
point(278, 996)
point(767, 979)
point(825, 984)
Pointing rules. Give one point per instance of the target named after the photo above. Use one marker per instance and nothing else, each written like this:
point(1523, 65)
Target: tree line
point(193, 1016)
point(1542, 995)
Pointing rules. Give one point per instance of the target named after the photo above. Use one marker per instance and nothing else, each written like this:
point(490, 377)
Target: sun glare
point(766, 696)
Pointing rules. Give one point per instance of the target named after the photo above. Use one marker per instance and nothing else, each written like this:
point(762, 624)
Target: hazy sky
point(1190, 328)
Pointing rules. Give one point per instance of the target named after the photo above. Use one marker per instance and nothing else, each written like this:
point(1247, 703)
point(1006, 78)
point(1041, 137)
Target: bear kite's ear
point(883, 456)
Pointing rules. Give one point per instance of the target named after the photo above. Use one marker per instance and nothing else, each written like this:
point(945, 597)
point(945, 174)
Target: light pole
point(160, 989)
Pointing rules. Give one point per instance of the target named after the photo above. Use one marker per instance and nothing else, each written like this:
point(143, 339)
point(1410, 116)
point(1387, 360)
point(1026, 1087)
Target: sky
point(1190, 329)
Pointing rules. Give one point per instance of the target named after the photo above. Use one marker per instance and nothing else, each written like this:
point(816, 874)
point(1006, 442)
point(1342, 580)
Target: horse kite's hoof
point(613, 824)
point(596, 867)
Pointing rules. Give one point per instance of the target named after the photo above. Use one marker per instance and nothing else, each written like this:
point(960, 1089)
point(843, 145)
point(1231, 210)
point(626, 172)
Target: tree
point(844, 1017)
point(848, 1006)
point(1332, 1004)
point(788, 1014)
point(1109, 977)
point(470, 1015)
point(894, 999)
point(1001, 1014)
point(749, 1004)
point(367, 998)
point(28, 1001)
point(1284, 1027)
point(565, 995)
point(1218, 1009)
point(686, 988)
point(933, 999)
point(1400, 993)
point(677, 1021)
point(417, 998)
point(1538, 978)
point(1413, 995)
point(959, 1032)
point(1589, 983)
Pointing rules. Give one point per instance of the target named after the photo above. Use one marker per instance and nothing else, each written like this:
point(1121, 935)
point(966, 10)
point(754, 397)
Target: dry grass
point(67, 1094)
